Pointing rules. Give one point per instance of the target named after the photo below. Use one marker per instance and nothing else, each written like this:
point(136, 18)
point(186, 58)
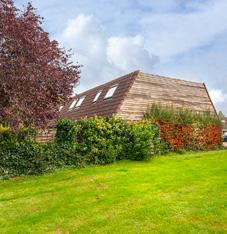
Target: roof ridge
point(171, 78)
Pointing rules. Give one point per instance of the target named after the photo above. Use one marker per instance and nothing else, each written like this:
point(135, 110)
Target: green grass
point(169, 194)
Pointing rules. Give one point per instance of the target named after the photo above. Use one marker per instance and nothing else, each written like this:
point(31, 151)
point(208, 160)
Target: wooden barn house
point(130, 96)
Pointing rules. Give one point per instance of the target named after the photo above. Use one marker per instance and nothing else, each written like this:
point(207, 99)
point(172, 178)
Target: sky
point(185, 39)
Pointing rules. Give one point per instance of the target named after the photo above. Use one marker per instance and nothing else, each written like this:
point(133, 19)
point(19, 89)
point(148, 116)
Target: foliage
point(140, 144)
point(20, 154)
point(169, 114)
point(182, 129)
point(66, 131)
point(36, 76)
point(94, 140)
point(106, 140)
point(18, 158)
point(98, 140)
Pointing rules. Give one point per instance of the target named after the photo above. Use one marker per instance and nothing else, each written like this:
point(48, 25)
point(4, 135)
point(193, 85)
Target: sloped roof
point(135, 91)
point(104, 107)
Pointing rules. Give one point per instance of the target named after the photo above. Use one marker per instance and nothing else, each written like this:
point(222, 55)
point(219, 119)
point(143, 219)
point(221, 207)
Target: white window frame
point(80, 101)
point(111, 91)
point(97, 96)
point(73, 104)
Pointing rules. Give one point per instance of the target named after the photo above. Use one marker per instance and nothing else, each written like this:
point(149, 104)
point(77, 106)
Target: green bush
point(104, 140)
point(95, 140)
point(19, 152)
point(21, 158)
point(141, 145)
point(66, 131)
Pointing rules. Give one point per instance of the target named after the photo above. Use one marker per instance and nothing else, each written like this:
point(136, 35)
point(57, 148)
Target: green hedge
point(19, 152)
point(104, 140)
point(95, 140)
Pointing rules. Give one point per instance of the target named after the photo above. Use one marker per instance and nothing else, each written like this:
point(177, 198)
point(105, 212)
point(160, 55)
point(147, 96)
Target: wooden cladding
point(148, 89)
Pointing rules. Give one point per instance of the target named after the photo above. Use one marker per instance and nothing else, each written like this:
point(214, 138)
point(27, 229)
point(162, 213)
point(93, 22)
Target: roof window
point(110, 92)
point(81, 99)
point(97, 95)
point(73, 104)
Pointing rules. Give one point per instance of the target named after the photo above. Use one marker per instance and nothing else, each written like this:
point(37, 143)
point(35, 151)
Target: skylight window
point(80, 101)
point(110, 92)
point(97, 95)
point(73, 104)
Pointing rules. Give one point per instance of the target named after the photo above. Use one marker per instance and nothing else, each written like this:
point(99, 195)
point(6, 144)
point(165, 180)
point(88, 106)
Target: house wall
point(148, 89)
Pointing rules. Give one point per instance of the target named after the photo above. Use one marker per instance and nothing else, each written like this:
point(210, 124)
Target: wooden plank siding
point(148, 89)
point(46, 135)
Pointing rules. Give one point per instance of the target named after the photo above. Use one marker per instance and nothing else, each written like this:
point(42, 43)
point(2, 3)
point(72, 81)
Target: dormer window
point(110, 92)
point(97, 95)
point(81, 99)
point(73, 104)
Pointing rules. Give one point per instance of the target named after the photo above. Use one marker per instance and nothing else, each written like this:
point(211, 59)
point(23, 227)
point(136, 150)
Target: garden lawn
point(169, 194)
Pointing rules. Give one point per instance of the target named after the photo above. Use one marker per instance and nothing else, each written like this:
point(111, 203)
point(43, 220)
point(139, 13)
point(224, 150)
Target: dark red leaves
point(191, 137)
point(36, 76)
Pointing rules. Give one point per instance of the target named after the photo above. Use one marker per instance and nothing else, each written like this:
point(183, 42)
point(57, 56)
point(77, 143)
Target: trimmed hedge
point(95, 140)
point(101, 140)
point(105, 140)
point(19, 152)
point(182, 129)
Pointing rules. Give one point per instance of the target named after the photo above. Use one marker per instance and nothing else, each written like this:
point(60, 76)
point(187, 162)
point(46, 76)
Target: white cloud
point(103, 57)
point(218, 96)
point(85, 36)
point(128, 53)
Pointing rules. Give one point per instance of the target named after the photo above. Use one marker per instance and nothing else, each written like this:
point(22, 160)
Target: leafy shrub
point(183, 129)
point(17, 158)
point(120, 135)
point(95, 140)
point(106, 140)
point(141, 145)
point(66, 131)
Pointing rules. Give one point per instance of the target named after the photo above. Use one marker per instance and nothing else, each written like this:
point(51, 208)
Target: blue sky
point(185, 39)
